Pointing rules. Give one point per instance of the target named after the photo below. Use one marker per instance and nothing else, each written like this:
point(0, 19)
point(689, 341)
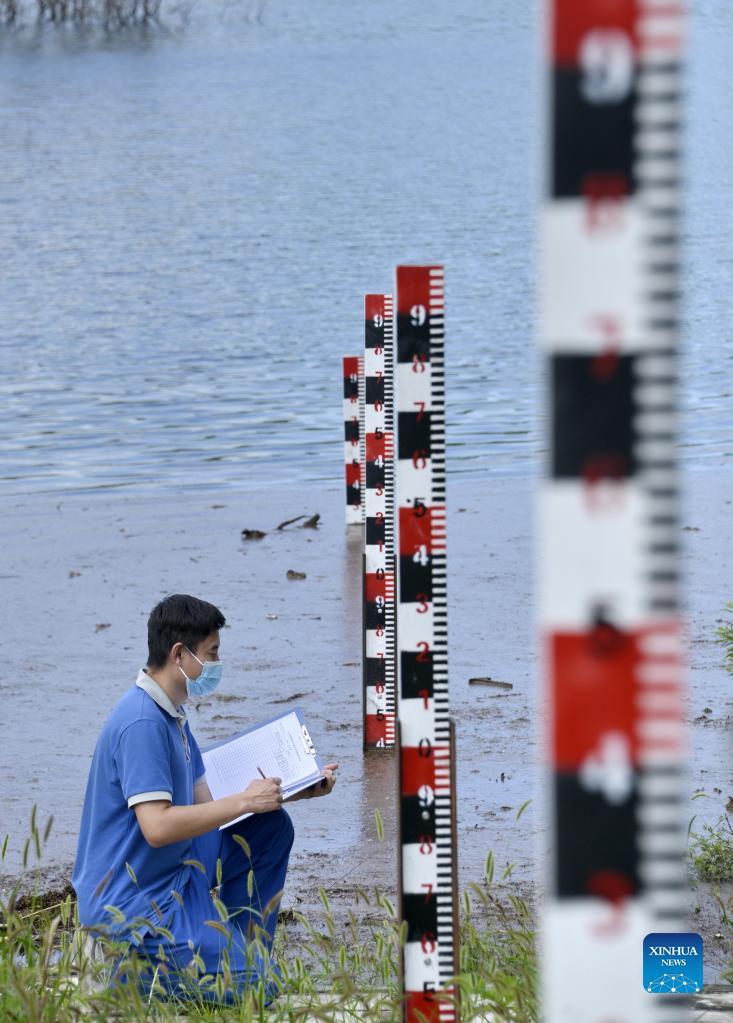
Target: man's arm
point(201, 793)
point(162, 823)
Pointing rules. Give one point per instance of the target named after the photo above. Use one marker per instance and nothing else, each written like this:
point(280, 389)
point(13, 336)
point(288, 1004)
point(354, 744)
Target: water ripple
point(189, 225)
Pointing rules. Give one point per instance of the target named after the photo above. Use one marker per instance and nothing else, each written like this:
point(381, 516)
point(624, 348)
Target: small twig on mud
point(289, 522)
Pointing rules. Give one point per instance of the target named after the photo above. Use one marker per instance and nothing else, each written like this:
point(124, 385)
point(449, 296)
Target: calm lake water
point(190, 221)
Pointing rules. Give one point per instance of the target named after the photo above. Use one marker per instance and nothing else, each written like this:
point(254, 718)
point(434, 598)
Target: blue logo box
point(673, 963)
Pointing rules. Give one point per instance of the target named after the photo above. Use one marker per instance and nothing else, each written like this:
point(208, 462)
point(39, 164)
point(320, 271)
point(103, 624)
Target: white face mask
point(207, 681)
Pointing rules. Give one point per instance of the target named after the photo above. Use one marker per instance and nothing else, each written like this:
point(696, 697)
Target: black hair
point(180, 619)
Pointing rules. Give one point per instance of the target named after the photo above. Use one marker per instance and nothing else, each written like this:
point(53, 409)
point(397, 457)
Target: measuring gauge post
point(428, 860)
point(379, 527)
point(351, 439)
point(609, 508)
point(362, 441)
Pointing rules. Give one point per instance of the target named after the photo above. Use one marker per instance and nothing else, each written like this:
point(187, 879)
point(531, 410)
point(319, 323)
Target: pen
point(261, 771)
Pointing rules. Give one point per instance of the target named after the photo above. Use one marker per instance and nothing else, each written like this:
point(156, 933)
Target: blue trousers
point(229, 943)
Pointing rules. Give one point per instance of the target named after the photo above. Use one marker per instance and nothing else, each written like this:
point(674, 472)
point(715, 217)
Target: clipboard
point(281, 746)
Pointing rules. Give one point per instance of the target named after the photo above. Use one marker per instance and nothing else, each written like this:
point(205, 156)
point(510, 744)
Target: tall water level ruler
point(608, 604)
point(427, 830)
point(379, 534)
point(352, 456)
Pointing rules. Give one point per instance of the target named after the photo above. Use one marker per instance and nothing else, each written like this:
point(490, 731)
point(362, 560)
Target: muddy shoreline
point(84, 572)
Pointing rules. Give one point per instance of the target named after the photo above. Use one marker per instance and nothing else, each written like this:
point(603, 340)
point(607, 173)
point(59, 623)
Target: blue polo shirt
point(145, 752)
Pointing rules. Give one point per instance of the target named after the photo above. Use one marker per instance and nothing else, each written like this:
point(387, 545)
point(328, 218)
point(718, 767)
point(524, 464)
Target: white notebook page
point(277, 748)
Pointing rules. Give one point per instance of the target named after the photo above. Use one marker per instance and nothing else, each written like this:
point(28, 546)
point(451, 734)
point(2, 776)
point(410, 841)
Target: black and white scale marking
point(379, 534)
point(428, 859)
point(352, 449)
point(362, 446)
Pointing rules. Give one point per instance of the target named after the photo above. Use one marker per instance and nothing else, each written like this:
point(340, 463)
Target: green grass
point(725, 636)
point(344, 965)
point(711, 852)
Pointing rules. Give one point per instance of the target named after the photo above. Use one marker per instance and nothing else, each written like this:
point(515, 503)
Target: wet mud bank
point(82, 575)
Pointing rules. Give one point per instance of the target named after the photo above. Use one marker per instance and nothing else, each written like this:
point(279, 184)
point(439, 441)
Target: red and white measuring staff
point(608, 587)
point(352, 459)
point(379, 533)
point(427, 835)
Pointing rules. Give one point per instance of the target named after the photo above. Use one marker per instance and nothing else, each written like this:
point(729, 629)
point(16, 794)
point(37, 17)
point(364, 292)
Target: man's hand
point(328, 781)
point(264, 794)
point(319, 788)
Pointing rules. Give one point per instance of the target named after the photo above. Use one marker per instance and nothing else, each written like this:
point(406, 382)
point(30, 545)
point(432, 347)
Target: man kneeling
point(149, 848)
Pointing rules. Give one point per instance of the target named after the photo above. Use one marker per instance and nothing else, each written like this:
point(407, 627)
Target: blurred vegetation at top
point(112, 15)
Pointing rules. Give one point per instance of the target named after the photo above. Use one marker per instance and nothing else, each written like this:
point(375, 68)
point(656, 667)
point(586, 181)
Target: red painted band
point(375, 728)
point(596, 687)
point(413, 287)
point(424, 1003)
point(375, 587)
point(373, 306)
point(416, 530)
point(417, 768)
point(574, 19)
point(351, 365)
point(376, 447)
